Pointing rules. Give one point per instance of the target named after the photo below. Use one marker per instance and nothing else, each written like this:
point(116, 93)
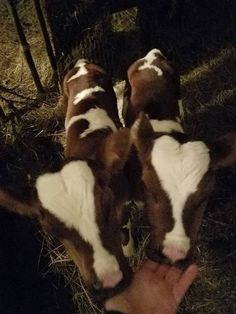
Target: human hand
point(155, 289)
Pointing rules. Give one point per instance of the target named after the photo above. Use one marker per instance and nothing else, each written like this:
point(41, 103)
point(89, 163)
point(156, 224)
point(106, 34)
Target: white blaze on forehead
point(69, 196)
point(148, 60)
point(81, 64)
point(180, 168)
point(88, 92)
point(97, 119)
point(166, 126)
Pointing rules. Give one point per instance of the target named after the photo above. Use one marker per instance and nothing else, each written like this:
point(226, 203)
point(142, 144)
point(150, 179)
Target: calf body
point(84, 194)
point(153, 88)
point(90, 110)
point(177, 172)
point(82, 204)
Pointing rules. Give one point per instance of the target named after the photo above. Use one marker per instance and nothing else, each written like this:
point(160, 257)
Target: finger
point(173, 274)
point(185, 281)
point(117, 303)
point(162, 271)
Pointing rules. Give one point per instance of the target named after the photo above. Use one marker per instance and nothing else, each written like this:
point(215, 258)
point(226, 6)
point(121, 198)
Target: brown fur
point(87, 147)
point(95, 76)
point(156, 95)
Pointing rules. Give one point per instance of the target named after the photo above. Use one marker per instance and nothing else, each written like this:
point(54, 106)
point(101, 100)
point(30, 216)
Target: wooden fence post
point(47, 41)
point(26, 48)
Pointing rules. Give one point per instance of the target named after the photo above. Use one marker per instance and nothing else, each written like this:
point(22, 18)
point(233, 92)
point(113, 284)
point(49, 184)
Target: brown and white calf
point(154, 87)
point(178, 173)
point(82, 203)
point(90, 110)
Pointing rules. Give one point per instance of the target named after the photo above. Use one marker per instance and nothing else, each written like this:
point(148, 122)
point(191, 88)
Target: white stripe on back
point(97, 118)
point(148, 59)
point(81, 71)
point(87, 93)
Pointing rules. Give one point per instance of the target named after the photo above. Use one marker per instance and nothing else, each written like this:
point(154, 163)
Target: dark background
point(24, 289)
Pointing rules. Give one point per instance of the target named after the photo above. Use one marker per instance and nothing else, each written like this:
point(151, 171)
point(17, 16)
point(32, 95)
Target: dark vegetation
point(201, 41)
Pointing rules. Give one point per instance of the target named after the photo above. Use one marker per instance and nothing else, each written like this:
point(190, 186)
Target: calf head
point(154, 87)
point(81, 205)
point(178, 175)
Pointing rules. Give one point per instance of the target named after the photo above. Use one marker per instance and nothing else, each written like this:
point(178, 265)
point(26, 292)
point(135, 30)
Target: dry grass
point(14, 69)
point(61, 263)
point(31, 144)
point(209, 103)
point(124, 21)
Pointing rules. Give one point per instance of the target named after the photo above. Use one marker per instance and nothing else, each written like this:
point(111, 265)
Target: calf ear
point(30, 207)
point(115, 149)
point(142, 134)
point(223, 151)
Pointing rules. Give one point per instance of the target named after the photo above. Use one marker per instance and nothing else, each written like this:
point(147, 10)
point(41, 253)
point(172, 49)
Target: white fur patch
point(69, 196)
point(148, 59)
point(81, 63)
point(180, 168)
point(97, 118)
point(166, 126)
point(128, 249)
point(119, 88)
point(87, 93)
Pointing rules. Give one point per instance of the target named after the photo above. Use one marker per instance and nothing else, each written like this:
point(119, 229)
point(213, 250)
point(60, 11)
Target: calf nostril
point(97, 285)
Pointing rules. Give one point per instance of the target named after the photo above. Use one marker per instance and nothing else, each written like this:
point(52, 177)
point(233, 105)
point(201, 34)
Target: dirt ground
point(31, 132)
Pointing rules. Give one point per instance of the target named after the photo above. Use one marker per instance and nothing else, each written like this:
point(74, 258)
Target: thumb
point(117, 303)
